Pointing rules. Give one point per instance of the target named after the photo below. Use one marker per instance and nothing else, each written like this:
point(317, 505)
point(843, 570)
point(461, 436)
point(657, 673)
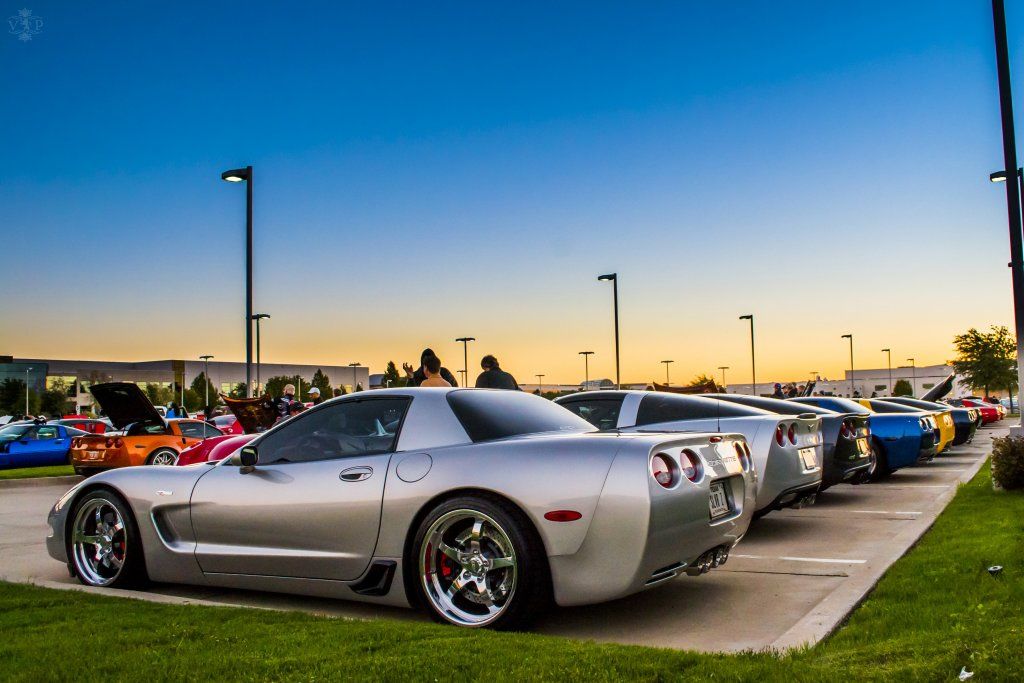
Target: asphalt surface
point(791, 581)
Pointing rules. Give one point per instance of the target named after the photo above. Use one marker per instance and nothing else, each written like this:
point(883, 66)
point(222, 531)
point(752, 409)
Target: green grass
point(936, 610)
point(28, 472)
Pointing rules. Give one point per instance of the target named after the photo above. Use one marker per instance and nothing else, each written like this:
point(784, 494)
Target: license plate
point(92, 455)
point(862, 446)
point(807, 455)
point(717, 500)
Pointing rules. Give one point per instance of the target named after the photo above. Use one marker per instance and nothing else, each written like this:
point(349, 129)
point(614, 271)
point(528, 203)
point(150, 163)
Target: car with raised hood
point(142, 436)
point(965, 420)
point(846, 437)
point(965, 431)
point(945, 431)
point(251, 416)
point(897, 439)
point(480, 506)
point(786, 449)
point(30, 444)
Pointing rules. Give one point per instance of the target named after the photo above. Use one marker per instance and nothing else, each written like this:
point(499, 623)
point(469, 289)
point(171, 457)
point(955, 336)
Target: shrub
point(1008, 462)
point(902, 388)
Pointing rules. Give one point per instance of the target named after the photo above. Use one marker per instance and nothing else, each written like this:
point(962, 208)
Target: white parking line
point(919, 486)
point(801, 559)
point(887, 512)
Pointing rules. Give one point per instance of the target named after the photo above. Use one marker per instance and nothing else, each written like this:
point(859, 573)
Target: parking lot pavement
point(791, 581)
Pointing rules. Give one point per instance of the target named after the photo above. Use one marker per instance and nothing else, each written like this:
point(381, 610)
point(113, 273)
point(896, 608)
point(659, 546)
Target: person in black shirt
point(416, 378)
point(493, 377)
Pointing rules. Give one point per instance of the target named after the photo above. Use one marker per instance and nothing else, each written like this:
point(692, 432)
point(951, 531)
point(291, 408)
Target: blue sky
point(428, 171)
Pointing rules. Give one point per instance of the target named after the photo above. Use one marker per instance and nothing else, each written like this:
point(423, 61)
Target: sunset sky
point(425, 171)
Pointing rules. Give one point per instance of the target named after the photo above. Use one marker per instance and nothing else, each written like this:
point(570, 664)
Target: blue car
point(35, 445)
point(898, 439)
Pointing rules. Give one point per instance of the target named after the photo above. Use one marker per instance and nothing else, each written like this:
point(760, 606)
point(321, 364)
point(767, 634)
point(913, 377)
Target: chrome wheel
point(468, 567)
point(99, 542)
point(164, 458)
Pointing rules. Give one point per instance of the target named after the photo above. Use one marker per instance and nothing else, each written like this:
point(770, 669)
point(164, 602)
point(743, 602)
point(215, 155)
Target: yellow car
point(943, 418)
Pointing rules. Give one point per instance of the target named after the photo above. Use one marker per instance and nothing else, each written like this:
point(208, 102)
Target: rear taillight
point(76, 442)
point(663, 470)
point(109, 442)
point(779, 435)
point(692, 467)
point(848, 429)
point(118, 443)
point(792, 434)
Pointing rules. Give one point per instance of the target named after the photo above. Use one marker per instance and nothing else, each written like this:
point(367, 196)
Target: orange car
point(143, 436)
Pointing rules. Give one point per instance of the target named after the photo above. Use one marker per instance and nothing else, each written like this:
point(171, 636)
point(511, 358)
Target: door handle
point(356, 474)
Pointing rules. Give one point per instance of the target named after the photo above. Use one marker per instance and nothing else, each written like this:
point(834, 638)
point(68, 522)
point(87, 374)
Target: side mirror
point(249, 457)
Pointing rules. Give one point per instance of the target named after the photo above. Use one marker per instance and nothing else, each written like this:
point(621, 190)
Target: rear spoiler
point(941, 389)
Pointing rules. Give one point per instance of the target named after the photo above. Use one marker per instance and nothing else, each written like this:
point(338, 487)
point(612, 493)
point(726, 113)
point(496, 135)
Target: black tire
point(882, 470)
point(132, 570)
point(162, 452)
point(85, 471)
point(530, 595)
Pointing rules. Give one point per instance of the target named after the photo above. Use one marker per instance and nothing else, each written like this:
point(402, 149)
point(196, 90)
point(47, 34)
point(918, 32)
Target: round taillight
point(118, 443)
point(109, 442)
point(75, 441)
point(692, 467)
point(663, 470)
point(792, 434)
point(847, 429)
point(779, 435)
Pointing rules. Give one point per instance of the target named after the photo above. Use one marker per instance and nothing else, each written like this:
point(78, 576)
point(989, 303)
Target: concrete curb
point(70, 480)
point(829, 614)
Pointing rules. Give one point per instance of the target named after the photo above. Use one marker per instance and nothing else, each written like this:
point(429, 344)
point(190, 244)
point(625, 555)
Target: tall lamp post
point(465, 358)
point(666, 362)
point(753, 371)
point(540, 385)
point(850, 337)
point(1013, 194)
point(26, 390)
point(723, 368)
point(354, 366)
point(206, 375)
point(586, 368)
point(257, 317)
point(236, 176)
point(913, 376)
point(614, 278)
point(889, 365)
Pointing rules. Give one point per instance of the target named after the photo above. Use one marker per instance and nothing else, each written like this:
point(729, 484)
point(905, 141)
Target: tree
point(159, 395)
point(12, 398)
point(54, 400)
point(987, 360)
point(275, 385)
point(200, 385)
point(323, 383)
point(359, 387)
point(391, 376)
point(902, 388)
point(237, 391)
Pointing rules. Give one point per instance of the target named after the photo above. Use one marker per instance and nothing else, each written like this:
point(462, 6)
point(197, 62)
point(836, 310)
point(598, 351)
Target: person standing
point(493, 377)
point(314, 396)
point(416, 378)
point(283, 403)
point(432, 370)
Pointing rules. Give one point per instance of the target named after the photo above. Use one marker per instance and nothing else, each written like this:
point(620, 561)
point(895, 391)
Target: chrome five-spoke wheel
point(468, 567)
point(163, 458)
point(99, 542)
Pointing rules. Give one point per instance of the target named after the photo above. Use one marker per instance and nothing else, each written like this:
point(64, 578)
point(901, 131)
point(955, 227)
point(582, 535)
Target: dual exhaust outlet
point(715, 557)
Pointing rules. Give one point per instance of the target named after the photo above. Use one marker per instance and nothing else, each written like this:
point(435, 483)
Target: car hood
point(939, 390)
point(125, 403)
point(254, 414)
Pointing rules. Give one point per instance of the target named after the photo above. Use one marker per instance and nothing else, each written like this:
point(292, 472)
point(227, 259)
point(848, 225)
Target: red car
point(250, 417)
point(990, 412)
point(214, 448)
point(228, 424)
point(84, 423)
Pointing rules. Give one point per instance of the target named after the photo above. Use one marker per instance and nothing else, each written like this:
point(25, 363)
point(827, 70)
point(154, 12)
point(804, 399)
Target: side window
point(46, 433)
point(211, 430)
point(603, 413)
point(30, 434)
point(194, 430)
point(337, 430)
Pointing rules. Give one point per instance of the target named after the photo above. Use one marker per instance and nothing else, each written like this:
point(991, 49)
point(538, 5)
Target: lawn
point(936, 610)
point(28, 472)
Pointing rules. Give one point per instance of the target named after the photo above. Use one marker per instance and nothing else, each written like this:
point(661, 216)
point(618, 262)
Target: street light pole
point(354, 384)
point(850, 337)
point(236, 176)
point(586, 368)
point(614, 277)
point(666, 362)
point(465, 358)
point(753, 370)
point(723, 368)
point(26, 390)
point(540, 385)
point(889, 351)
point(258, 317)
point(1013, 194)
point(913, 377)
point(206, 375)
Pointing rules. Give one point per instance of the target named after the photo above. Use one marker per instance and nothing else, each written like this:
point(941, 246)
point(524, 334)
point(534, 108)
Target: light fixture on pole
point(753, 371)
point(26, 390)
point(540, 385)
point(889, 365)
point(723, 368)
point(206, 376)
point(586, 368)
point(239, 175)
point(354, 366)
point(850, 337)
point(614, 278)
point(913, 376)
point(258, 317)
point(666, 362)
point(465, 358)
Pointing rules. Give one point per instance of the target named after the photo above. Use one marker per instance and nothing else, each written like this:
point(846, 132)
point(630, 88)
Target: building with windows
point(872, 381)
point(77, 375)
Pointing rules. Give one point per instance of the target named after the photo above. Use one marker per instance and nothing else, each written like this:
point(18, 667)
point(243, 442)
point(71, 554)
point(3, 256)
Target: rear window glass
point(886, 407)
point(775, 405)
point(497, 414)
point(657, 408)
point(603, 413)
point(841, 405)
point(225, 420)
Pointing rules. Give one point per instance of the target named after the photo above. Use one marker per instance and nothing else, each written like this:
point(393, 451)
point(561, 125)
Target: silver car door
point(310, 508)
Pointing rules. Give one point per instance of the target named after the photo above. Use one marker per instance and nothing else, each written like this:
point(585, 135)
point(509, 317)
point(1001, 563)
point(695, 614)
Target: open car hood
point(940, 389)
point(254, 414)
point(125, 403)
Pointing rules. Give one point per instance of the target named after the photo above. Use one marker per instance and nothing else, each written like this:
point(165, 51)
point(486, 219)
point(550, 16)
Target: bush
point(902, 388)
point(1008, 462)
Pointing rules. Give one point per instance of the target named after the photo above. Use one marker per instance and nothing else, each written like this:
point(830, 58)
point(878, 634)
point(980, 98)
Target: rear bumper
point(841, 467)
point(791, 497)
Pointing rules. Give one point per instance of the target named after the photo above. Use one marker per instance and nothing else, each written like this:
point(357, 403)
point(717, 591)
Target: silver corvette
point(479, 506)
point(787, 449)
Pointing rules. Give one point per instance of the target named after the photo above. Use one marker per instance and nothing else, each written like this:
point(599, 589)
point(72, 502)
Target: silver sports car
point(480, 506)
point(787, 449)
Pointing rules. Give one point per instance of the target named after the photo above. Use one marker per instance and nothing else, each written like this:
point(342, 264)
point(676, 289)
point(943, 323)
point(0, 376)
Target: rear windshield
point(225, 420)
point(886, 407)
point(775, 405)
point(842, 405)
point(497, 414)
